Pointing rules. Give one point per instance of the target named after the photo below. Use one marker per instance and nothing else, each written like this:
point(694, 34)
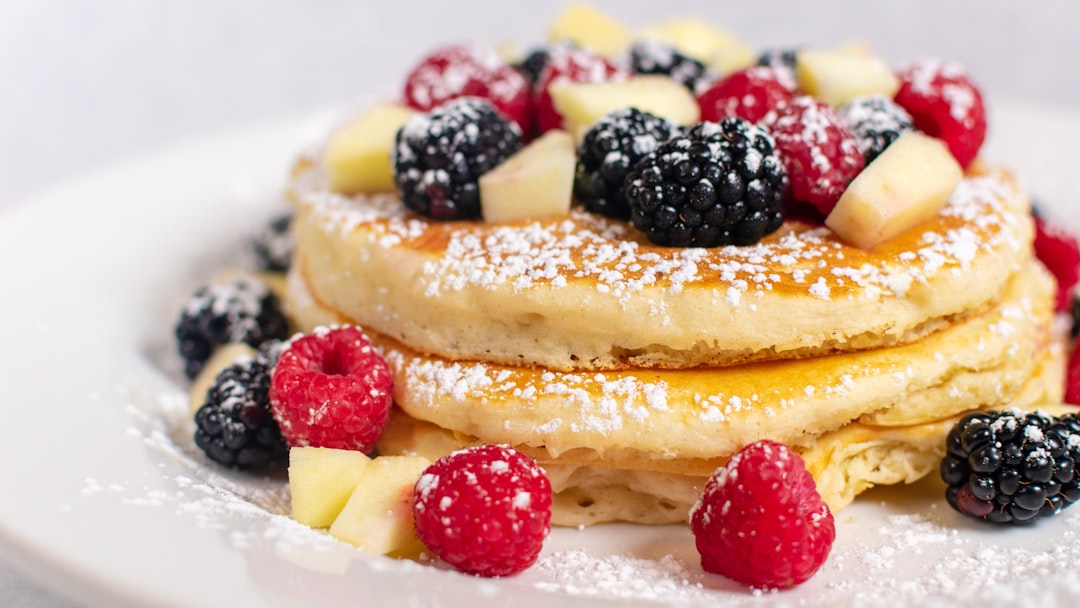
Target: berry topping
point(654, 57)
point(820, 155)
point(1058, 250)
point(749, 94)
point(484, 510)
point(760, 520)
point(532, 65)
point(875, 121)
point(1012, 466)
point(439, 157)
point(719, 184)
point(566, 62)
point(331, 389)
point(244, 310)
point(609, 149)
point(274, 245)
point(784, 62)
point(468, 70)
point(234, 426)
point(1072, 371)
point(944, 103)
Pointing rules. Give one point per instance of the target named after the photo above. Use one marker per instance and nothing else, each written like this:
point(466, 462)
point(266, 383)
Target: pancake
point(584, 292)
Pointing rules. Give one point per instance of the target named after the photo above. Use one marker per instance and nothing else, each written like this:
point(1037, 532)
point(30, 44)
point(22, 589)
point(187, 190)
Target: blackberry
point(719, 184)
point(274, 245)
point(533, 64)
point(235, 426)
point(440, 156)
point(244, 310)
point(1074, 313)
point(1012, 466)
point(653, 57)
point(609, 149)
point(778, 58)
point(875, 121)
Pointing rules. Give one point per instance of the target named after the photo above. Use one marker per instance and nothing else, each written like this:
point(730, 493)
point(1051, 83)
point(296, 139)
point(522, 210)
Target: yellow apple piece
point(903, 187)
point(836, 76)
point(719, 50)
point(224, 356)
point(357, 157)
point(378, 515)
point(582, 104)
point(321, 480)
point(534, 183)
point(592, 29)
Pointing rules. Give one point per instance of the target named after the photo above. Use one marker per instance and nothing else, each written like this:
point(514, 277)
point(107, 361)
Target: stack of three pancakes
point(631, 371)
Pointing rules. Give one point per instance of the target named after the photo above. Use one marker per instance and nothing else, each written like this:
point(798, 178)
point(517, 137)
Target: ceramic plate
point(105, 500)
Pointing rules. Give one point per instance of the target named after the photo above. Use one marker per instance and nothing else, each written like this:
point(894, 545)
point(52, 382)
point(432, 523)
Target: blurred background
point(89, 83)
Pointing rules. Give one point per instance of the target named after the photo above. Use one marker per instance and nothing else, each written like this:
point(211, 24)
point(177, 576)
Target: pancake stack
point(631, 371)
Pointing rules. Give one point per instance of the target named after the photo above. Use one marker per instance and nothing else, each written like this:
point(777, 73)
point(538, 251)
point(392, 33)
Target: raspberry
point(331, 389)
point(484, 510)
point(760, 520)
point(1060, 253)
point(944, 103)
point(566, 62)
point(439, 157)
point(748, 94)
point(719, 184)
point(820, 155)
point(468, 70)
point(655, 57)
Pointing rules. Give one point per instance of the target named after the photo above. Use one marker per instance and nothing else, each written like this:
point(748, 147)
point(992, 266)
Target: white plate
point(104, 499)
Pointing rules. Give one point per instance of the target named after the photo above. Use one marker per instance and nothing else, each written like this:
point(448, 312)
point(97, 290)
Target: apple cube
point(722, 52)
point(534, 183)
point(357, 157)
point(378, 515)
point(903, 187)
point(589, 28)
point(321, 480)
point(838, 75)
point(224, 356)
point(582, 104)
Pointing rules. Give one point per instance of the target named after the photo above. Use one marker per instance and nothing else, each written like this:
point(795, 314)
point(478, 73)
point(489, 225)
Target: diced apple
point(719, 50)
point(589, 28)
point(378, 516)
point(535, 183)
point(905, 186)
point(838, 75)
point(321, 480)
point(357, 157)
point(582, 104)
point(224, 356)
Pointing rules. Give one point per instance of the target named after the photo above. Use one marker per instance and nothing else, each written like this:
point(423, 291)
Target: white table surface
point(87, 84)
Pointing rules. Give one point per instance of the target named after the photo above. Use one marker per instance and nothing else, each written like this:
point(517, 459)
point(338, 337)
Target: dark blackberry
point(1012, 466)
point(654, 57)
point(875, 121)
point(274, 245)
point(533, 64)
point(609, 149)
point(244, 310)
point(440, 156)
point(719, 184)
point(235, 426)
point(784, 62)
point(1074, 312)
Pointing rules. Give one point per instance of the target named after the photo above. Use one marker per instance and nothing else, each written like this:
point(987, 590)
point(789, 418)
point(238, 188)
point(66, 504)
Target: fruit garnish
point(358, 155)
point(439, 157)
point(654, 57)
point(583, 104)
point(469, 70)
point(586, 27)
point(567, 63)
point(484, 510)
point(945, 103)
point(1058, 250)
point(321, 481)
point(784, 62)
point(330, 388)
point(718, 184)
point(905, 186)
point(536, 182)
point(720, 51)
point(748, 94)
point(1072, 374)
point(875, 121)
point(760, 520)
point(378, 516)
point(836, 76)
point(1012, 466)
point(820, 155)
point(607, 152)
point(273, 245)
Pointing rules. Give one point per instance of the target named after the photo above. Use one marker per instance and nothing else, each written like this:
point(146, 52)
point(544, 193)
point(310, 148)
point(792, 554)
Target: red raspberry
point(1059, 252)
point(467, 70)
point(760, 520)
point(748, 94)
point(331, 389)
point(944, 103)
point(484, 510)
point(569, 63)
point(820, 155)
